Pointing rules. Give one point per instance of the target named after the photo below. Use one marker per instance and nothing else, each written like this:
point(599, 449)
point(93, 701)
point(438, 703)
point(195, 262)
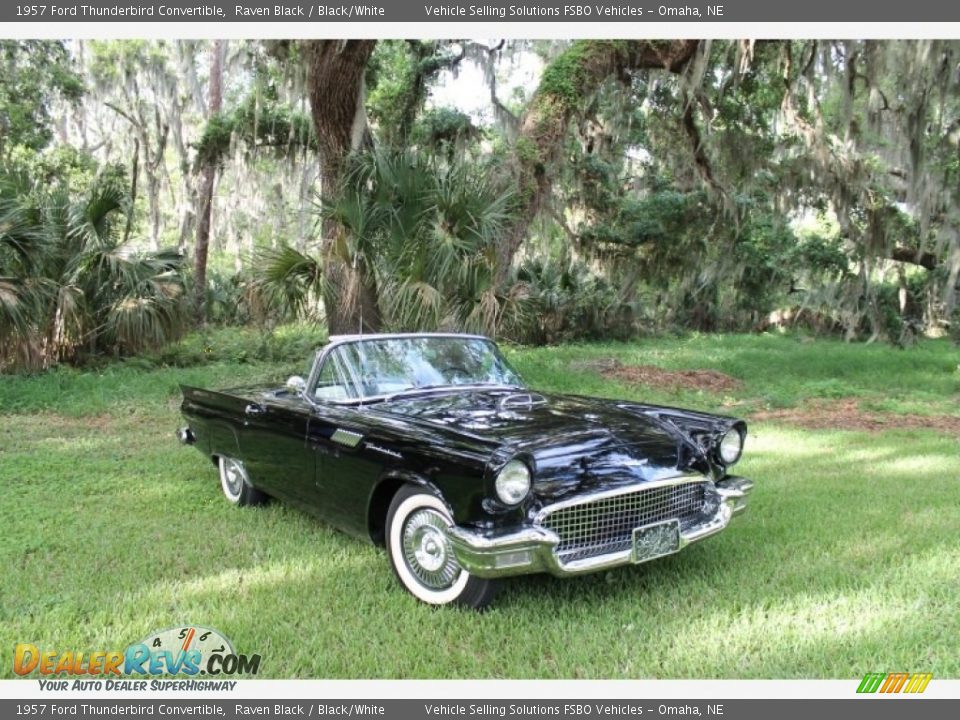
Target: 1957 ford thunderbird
point(431, 445)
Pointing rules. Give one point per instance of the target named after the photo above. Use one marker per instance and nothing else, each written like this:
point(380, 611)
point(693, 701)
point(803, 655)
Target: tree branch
point(915, 257)
point(125, 115)
point(572, 77)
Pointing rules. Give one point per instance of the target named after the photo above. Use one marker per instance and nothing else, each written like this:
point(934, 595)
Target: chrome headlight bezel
point(513, 483)
point(730, 447)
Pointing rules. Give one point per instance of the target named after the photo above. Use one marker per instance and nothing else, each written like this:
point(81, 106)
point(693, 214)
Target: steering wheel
point(451, 371)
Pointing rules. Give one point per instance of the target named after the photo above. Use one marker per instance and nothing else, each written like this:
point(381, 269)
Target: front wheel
point(422, 557)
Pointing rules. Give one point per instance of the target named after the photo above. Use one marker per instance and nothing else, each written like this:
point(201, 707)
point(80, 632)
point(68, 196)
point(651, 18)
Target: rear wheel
point(236, 485)
point(421, 554)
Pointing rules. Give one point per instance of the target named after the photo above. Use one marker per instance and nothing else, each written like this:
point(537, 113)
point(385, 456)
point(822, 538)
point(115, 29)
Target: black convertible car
point(432, 445)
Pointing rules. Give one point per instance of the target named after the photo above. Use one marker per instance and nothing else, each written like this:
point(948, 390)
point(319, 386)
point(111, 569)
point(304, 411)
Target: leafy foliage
point(564, 302)
point(70, 287)
point(35, 75)
point(259, 122)
point(640, 186)
point(444, 129)
point(398, 77)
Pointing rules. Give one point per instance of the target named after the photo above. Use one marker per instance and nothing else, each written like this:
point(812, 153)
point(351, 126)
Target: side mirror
point(296, 384)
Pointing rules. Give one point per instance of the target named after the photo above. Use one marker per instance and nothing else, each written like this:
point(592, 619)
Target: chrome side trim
point(354, 337)
point(346, 437)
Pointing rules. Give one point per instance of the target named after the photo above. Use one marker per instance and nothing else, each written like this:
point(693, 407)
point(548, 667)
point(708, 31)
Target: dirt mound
point(653, 376)
point(846, 414)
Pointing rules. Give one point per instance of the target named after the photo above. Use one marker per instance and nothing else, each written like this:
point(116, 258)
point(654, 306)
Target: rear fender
point(223, 441)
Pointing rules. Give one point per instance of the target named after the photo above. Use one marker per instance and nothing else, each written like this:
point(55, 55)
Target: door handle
point(254, 409)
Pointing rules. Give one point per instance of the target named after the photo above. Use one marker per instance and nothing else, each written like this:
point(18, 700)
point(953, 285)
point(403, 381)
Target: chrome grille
point(605, 525)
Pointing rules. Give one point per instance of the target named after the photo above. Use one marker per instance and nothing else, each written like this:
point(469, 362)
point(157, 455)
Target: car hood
point(567, 438)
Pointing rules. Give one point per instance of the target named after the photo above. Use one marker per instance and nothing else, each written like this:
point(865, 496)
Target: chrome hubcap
point(427, 551)
point(233, 477)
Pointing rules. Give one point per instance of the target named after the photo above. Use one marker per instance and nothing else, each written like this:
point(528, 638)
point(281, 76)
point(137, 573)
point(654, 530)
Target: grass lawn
point(847, 561)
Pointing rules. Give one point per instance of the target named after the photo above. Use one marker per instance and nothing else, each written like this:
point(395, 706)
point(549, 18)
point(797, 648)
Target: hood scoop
point(521, 401)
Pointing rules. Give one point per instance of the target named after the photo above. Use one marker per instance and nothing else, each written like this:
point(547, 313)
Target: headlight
point(731, 446)
point(513, 482)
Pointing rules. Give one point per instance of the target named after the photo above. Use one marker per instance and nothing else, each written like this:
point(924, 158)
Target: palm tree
point(424, 228)
point(70, 284)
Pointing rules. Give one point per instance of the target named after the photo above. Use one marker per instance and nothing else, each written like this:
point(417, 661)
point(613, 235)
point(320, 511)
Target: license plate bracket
point(655, 540)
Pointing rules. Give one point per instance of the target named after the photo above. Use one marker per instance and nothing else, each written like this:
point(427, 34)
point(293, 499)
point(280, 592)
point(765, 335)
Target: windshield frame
point(325, 355)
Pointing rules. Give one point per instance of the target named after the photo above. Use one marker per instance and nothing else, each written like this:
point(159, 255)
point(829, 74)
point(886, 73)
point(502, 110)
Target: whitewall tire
point(422, 557)
point(236, 485)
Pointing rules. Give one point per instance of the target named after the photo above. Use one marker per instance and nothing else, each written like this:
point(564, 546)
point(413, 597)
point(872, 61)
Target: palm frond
point(99, 219)
point(69, 287)
point(289, 279)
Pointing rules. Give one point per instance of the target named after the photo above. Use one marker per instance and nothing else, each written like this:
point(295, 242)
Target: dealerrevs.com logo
point(190, 651)
point(895, 682)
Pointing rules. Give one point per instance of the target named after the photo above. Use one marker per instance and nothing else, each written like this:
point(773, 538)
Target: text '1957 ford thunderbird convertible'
point(431, 445)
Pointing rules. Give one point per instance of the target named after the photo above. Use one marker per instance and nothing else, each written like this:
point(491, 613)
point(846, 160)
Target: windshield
point(380, 367)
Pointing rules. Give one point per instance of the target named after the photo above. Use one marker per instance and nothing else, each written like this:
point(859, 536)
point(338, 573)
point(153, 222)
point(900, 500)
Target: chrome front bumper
point(532, 549)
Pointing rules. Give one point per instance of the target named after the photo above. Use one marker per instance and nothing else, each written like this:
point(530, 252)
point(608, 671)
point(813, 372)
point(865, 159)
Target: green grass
point(777, 371)
point(846, 562)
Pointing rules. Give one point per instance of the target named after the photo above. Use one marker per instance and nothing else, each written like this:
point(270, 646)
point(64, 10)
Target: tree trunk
point(134, 174)
point(208, 176)
point(567, 81)
point(335, 72)
point(186, 102)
